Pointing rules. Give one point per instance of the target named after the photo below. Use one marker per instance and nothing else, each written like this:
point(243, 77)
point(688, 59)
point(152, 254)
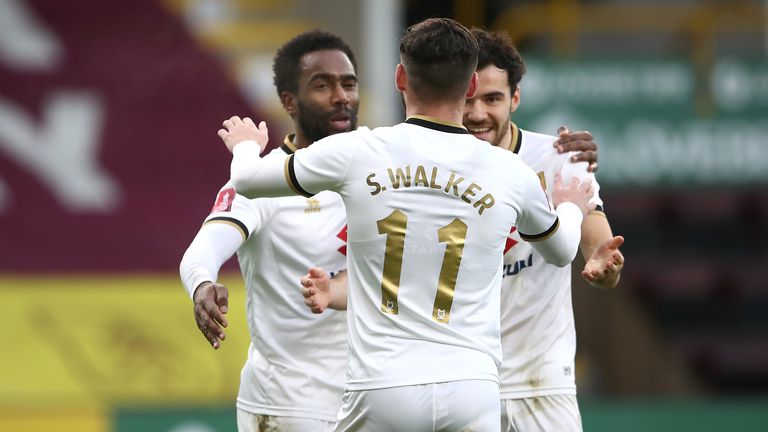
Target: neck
point(506, 139)
point(300, 140)
point(446, 111)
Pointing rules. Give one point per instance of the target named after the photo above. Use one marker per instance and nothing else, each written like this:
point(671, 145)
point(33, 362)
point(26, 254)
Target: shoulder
point(500, 154)
point(277, 151)
point(509, 167)
point(538, 149)
point(227, 199)
point(535, 140)
point(339, 140)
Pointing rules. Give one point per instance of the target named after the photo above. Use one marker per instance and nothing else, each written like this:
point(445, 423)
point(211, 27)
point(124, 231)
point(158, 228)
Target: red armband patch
point(224, 200)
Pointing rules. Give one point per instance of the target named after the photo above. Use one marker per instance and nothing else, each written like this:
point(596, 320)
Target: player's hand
point(603, 269)
point(580, 141)
point(316, 289)
point(575, 191)
point(235, 131)
point(211, 304)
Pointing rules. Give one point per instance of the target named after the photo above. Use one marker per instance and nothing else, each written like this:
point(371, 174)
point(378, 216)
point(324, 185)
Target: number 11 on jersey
point(453, 234)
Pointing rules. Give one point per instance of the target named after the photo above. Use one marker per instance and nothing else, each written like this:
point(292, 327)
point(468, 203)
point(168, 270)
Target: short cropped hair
point(497, 48)
point(439, 56)
point(286, 64)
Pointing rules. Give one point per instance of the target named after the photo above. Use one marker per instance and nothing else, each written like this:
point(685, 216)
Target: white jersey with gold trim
point(537, 328)
point(297, 360)
point(429, 208)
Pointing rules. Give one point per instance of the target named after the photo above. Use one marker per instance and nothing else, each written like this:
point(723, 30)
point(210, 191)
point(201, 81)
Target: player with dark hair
point(288, 66)
point(497, 49)
point(294, 375)
point(429, 208)
point(538, 336)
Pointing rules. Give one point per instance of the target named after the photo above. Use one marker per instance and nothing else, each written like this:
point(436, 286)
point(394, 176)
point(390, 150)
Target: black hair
point(286, 63)
point(497, 48)
point(439, 56)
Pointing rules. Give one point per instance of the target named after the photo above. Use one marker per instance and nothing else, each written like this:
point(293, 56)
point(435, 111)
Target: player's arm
point(559, 243)
point(213, 245)
point(600, 249)
point(322, 166)
point(252, 175)
point(321, 292)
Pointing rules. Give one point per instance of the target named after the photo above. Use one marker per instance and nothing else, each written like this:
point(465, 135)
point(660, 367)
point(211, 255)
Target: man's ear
point(474, 84)
point(401, 81)
point(290, 102)
point(515, 99)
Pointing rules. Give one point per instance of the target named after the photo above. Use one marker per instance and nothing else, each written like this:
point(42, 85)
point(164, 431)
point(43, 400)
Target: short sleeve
point(537, 220)
point(246, 215)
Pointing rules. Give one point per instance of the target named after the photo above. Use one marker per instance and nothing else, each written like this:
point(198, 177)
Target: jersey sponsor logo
point(224, 200)
point(343, 236)
point(313, 206)
point(517, 266)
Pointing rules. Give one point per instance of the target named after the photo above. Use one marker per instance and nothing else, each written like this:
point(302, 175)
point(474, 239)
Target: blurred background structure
point(109, 161)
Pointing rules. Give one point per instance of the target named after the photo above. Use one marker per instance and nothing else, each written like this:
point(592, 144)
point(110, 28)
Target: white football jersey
point(537, 329)
point(296, 360)
point(429, 208)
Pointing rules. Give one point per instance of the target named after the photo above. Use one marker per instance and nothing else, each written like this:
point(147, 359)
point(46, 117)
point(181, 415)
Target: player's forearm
point(595, 230)
point(560, 248)
point(338, 292)
point(256, 177)
point(604, 262)
point(213, 245)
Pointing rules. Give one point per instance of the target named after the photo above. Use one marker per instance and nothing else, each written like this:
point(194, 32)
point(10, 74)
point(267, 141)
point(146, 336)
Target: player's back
point(429, 208)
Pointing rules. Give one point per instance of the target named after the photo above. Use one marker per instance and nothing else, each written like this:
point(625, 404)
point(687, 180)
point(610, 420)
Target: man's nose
point(474, 112)
point(340, 95)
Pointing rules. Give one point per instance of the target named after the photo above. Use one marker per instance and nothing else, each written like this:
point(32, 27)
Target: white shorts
point(449, 406)
point(250, 422)
point(541, 414)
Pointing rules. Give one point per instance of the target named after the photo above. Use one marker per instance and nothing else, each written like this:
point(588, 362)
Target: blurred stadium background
point(109, 161)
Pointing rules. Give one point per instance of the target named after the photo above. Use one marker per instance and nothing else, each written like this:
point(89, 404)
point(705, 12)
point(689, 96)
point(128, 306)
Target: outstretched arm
point(320, 291)
point(604, 260)
point(600, 248)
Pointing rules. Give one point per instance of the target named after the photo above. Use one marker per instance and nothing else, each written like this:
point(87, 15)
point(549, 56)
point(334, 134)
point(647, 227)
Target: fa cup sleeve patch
point(224, 200)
